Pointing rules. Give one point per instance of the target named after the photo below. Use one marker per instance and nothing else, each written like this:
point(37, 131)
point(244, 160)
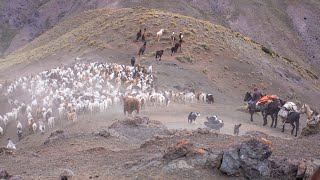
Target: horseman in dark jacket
point(256, 96)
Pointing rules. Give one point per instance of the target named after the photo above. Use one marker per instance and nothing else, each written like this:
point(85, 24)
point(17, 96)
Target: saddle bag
point(283, 113)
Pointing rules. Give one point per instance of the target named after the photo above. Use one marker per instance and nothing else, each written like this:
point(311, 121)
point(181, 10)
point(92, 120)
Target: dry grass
point(103, 28)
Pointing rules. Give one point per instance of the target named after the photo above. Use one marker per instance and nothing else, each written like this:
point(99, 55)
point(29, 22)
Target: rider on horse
point(256, 96)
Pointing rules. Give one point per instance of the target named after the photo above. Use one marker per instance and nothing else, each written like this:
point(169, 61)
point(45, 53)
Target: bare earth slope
point(288, 27)
point(226, 62)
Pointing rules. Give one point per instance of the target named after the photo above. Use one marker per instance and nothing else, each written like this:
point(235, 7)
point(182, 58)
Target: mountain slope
point(229, 63)
point(290, 28)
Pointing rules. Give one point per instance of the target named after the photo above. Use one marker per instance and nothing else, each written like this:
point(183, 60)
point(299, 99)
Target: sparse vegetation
point(185, 59)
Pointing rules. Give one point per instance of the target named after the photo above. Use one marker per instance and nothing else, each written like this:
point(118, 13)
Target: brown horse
point(131, 104)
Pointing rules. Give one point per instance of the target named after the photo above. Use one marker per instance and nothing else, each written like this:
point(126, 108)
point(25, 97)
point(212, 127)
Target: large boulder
point(249, 159)
point(231, 162)
point(310, 130)
point(285, 169)
point(254, 156)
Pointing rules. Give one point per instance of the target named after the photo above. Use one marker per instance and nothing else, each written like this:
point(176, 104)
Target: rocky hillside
point(288, 27)
point(228, 61)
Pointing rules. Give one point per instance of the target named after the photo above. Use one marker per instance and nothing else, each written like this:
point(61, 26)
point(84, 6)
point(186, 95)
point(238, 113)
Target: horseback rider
point(256, 96)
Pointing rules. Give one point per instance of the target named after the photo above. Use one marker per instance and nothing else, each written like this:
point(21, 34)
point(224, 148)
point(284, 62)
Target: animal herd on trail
point(274, 106)
point(175, 45)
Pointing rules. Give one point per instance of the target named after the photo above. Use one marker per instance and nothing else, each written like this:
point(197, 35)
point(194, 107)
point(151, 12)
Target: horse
point(305, 109)
point(131, 104)
point(144, 34)
point(272, 109)
point(173, 38)
point(175, 48)
point(139, 35)
point(293, 118)
point(133, 61)
point(142, 48)
point(159, 34)
point(159, 54)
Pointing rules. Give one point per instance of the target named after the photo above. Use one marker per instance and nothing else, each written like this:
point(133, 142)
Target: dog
point(236, 129)
point(192, 117)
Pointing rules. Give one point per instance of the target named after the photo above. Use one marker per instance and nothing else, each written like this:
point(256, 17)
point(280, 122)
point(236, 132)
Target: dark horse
point(272, 109)
point(293, 118)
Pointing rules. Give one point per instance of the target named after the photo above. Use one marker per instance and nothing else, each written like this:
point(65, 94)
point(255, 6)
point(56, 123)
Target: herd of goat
point(63, 93)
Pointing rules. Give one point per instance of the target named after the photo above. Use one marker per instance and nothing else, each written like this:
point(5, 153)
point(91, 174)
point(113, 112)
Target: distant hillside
point(230, 61)
point(288, 27)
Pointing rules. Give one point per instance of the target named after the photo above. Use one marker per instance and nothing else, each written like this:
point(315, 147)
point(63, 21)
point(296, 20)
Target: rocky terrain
point(289, 28)
point(160, 153)
point(160, 144)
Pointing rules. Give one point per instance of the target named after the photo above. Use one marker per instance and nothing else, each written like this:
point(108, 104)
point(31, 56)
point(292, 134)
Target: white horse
point(308, 111)
point(159, 34)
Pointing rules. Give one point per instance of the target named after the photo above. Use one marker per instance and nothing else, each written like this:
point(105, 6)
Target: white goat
point(19, 126)
point(11, 145)
point(34, 127)
point(42, 127)
point(51, 122)
point(1, 131)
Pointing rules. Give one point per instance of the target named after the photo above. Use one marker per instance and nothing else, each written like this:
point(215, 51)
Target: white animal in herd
point(159, 34)
point(34, 127)
point(51, 122)
point(42, 127)
point(1, 131)
point(11, 145)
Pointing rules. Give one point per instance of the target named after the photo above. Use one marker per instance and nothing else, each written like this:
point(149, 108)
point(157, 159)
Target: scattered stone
point(181, 149)
point(104, 133)
point(301, 170)
point(4, 174)
point(203, 131)
point(310, 130)
point(177, 165)
point(67, 174)
point(5, 150)
point(15, 178)
point(55, 136)
point(283, 169)
point(137, 129)
point(311, 168)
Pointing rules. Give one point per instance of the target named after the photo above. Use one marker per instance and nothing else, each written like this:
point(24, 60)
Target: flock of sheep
point(63, 93)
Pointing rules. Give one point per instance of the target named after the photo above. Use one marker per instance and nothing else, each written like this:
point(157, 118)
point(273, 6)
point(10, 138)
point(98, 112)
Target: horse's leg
point(272, 117)
point(283, 127)
point(265, 118)
point(276, 120)
point(293, 126)
point(251, 113)
point(297, 127)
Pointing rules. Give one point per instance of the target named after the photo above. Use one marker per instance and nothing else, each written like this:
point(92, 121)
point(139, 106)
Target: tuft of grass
point(205, 71)
point(185, 59)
